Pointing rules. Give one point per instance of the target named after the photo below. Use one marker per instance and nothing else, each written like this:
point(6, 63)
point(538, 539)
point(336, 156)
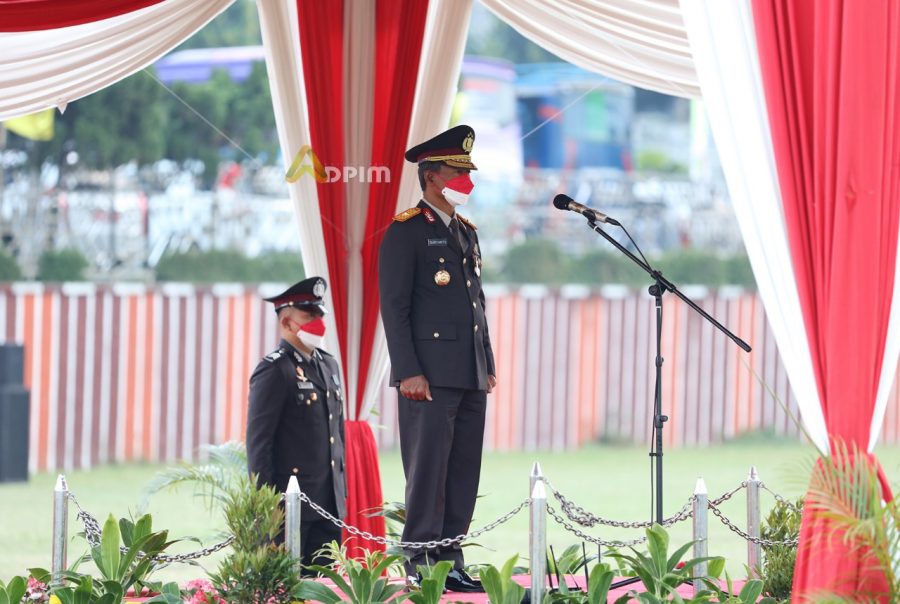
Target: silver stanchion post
point(536, 475)
point(60, 529)
point(538, 540)
point(754, 549)
point(292, 519)
point(700, 532)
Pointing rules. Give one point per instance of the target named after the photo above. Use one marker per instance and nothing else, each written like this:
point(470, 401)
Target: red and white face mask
point(312, 334)
point(457, 190)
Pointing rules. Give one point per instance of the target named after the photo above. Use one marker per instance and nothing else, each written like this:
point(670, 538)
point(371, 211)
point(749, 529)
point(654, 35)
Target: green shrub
point(277, 267)
point(544, 261)
point(602, 267)
point(499, 584)
point(359, 581)
point(9, 268)
point(739, 272)
point(125, 557)
point(67, 264)
point(692, 267)
point(256, 570)
point(536, 261)
point(782, 524)
point(217, 266)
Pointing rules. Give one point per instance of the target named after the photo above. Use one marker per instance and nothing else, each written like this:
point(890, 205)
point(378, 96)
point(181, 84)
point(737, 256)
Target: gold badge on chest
point(301, 375)
point(442, 277)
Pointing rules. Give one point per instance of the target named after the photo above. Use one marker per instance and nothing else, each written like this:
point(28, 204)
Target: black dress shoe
point(458, 580)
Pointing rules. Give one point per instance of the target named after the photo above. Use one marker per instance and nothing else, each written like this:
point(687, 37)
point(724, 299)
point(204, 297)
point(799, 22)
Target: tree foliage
point(543, 261)
point(238, 25)
point(66, 264)
point(138, 120)
point(243, 111)
point(222, 266)
point(491, 37)
point(9, 268)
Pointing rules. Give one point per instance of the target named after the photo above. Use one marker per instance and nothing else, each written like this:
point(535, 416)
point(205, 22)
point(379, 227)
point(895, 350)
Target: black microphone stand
point(660, 286)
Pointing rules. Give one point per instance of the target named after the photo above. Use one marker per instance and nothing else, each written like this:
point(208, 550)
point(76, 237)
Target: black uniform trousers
point(440, 443)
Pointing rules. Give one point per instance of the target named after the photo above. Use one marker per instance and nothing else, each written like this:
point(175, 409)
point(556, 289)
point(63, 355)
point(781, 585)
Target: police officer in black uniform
point(432, 306)
point(295, 422)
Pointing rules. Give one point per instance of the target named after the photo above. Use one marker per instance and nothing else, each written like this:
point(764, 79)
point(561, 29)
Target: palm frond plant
point(224, 471)
point(845, 493)
point(256, 569)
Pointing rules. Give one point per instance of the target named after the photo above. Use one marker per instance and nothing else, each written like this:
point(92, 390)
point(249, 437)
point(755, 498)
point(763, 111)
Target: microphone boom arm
point(665, 284)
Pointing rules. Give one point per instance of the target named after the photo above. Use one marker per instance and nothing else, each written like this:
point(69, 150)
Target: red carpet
point(685, 591)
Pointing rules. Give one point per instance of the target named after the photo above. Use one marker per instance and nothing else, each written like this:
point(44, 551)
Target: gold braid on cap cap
point(466, 158)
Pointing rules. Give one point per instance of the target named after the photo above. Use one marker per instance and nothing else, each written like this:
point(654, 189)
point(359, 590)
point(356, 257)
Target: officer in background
point(295, 423)
point(432, 306)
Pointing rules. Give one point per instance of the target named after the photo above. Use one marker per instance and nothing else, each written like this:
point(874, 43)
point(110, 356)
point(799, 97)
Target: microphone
point(564, 202)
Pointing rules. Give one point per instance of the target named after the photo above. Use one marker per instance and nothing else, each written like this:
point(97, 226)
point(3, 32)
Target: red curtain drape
point(321, 46)
point(33, 15)
point(364, 496)
point(830, 72)
point(399, 31)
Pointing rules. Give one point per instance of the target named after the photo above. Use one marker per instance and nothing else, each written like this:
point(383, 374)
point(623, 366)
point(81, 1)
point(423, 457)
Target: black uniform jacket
point(295, 426)
point(434, 330)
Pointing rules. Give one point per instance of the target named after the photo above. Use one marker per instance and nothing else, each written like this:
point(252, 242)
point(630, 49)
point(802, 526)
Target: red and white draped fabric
point(357, 81)
point(53, 52)
point(803, 101)
point(640, 42)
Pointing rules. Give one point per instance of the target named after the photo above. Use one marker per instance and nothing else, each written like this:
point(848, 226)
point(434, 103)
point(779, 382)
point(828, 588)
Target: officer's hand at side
point(415, 388)
point(492, 383)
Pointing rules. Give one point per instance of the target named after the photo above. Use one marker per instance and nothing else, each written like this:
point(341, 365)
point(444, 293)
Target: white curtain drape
point(51, 68)
point(281, 35)
point(724, 47)
point(446, 28)
point(641, 42)
point(359, 82)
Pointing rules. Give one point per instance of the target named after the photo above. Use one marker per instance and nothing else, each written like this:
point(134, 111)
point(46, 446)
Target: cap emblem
point(468, 142)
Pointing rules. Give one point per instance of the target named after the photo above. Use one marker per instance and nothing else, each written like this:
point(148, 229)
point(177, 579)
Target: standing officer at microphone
point(432, 306)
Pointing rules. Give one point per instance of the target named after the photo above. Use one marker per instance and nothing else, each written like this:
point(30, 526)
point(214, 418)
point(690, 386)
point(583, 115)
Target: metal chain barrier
point(413, 544)
point(580, 516)
point(780, 499)
point(713, 506)
point(93, 532)
point(585, 537)
point(726, 496)
point(735, 529)
point(570, 511)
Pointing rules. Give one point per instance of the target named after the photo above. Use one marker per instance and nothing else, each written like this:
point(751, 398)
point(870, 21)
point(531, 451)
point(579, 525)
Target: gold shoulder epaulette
point(407, 214)
point(467, 222)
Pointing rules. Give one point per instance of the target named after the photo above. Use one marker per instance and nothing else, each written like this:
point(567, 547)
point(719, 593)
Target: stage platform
point(686, 591)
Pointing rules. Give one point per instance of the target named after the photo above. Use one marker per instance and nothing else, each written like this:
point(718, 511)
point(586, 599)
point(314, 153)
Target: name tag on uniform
point(437, 243)
point(305, 385)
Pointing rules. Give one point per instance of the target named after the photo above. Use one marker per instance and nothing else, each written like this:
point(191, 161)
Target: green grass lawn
point(611, 481)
